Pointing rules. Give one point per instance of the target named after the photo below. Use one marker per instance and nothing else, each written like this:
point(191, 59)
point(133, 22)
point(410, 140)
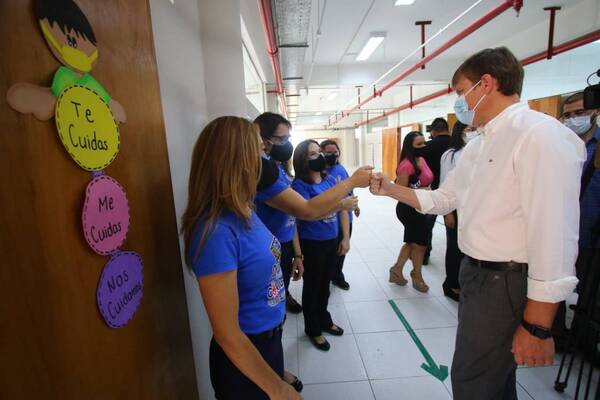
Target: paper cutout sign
point(105, 215)
point(121, 288)
point(87, 127)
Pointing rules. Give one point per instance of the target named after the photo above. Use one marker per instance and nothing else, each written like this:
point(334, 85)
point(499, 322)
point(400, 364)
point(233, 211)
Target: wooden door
point(548, 105)
point(390, 150)
point(54, 343)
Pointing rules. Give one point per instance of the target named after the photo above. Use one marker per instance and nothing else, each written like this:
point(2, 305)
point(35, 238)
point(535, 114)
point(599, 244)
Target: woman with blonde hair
point(237, 262)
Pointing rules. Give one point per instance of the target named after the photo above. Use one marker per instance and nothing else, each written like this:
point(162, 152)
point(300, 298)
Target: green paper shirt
point(64, 77)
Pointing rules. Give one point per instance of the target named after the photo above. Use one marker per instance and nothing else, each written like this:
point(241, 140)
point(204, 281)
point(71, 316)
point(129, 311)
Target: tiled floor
point(376, 358)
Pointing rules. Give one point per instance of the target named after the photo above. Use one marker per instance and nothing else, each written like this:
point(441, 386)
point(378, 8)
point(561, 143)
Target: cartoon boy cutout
point(72, 41)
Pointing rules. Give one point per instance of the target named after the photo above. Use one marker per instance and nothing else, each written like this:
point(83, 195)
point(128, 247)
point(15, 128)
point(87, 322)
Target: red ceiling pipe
point(551, 30)
point(506, 4)
point(570, 45)
point(266, 16)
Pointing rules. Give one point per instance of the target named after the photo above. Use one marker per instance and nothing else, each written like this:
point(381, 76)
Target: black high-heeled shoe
point(451, 294)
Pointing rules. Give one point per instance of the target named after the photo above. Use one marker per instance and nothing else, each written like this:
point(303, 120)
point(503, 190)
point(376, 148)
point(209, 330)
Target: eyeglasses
point(280, 139)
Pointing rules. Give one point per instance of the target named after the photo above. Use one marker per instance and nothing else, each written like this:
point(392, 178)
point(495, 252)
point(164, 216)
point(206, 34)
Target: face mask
point(73, 57)
point(318, 164)
point(461, 108)
point(470, 136)
point(419, 152)
point(580, 125)
point(269, 173)
point(282, 152)
point(331, 159)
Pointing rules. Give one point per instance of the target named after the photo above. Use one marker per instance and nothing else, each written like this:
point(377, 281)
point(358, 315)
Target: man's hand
point(360, 177)
point(357, 211)
point(530, 350)
point(285, 392)
point(380, 184)
point(297, 268)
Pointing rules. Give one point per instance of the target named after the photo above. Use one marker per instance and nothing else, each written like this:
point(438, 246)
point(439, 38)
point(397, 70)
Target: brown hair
point(223, 177)
point(500, 63)
point(301, 169)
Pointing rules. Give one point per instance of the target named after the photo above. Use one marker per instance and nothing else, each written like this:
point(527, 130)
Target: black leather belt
point(498, 265)
point(267, 334)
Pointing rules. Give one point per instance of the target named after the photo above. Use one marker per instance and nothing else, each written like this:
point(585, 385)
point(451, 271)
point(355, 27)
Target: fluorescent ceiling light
point(332, 96)
point(597, 42)
point(319, 112)
point(372, 44)
point(403, 2)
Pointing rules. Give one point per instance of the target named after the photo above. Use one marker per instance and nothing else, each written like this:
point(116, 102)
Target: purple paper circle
point(121, 288)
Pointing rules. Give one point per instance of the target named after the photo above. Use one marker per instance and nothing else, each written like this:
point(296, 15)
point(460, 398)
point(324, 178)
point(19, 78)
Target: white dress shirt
point(516, 191)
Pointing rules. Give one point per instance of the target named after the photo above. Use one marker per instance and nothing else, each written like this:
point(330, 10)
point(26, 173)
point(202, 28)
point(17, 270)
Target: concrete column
point(221, 38)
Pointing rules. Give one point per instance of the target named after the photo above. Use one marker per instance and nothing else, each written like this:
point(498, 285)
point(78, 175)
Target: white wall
point(200, 68)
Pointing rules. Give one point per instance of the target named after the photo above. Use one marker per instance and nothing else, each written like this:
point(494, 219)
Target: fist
point(350, 203)
point(379, 185)
point(362, 176)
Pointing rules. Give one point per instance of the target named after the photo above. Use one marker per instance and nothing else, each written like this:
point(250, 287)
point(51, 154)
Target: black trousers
point(491, 308)
point(320, 258)
point(430, 225)
point(230, 383)
point(338, 274)
point(453, 256)
point(287, 256)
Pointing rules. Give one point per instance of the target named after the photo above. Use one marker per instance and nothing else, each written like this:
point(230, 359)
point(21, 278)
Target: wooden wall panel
point(549, 105)
point(53, 343)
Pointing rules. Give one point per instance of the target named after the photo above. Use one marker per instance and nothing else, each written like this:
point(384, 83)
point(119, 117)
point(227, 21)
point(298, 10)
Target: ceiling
point(338, 29)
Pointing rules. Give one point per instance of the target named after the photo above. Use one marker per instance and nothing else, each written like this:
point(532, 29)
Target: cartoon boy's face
point(72, 49)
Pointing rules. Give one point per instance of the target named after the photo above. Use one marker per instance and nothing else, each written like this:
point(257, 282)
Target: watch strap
point(537, 331)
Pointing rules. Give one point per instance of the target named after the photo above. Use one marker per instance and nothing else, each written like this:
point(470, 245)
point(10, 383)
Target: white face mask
point(580, 124)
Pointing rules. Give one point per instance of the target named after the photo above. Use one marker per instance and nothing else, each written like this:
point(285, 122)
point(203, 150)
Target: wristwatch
point(536, 330)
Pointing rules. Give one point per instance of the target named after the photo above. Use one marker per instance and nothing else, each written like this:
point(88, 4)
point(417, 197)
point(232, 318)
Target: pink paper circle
point(105, 215)
point(121, 288)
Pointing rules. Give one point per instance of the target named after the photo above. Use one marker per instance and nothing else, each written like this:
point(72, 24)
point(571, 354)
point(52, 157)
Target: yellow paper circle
point(87, 127)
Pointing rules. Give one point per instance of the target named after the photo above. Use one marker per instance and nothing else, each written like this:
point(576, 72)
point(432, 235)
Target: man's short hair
point(500, 63)
point(570, 99)
point(440, 125)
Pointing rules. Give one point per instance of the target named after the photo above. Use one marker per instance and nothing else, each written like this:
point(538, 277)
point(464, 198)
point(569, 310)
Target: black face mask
point(282, 152)
point(318, 164)
point(419, 152)
point(268, 174)
point(331, 159)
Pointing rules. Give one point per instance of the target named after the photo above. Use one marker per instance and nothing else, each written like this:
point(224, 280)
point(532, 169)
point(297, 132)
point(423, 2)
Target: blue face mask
point(461, 108)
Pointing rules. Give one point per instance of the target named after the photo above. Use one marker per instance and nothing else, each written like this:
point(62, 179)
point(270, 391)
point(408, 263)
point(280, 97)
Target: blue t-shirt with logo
point(338, 171)
point(326, 228)
point(255, 253)
point(279, 223)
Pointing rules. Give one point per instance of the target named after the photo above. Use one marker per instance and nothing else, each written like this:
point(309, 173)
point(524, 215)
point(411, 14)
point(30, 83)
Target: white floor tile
point(417, 388)
point(339, 391)
point(290, 355)
point(390, 355)
point(342, 363)
point(424, 313)
point(364, 289)
point(539, 383)
point(376, 316)
point(290, 328)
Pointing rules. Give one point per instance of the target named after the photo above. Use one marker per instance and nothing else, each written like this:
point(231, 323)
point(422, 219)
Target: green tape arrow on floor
point(430, 366)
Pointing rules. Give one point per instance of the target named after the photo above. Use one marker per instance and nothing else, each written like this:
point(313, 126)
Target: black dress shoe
point(292, 305)
point(342, 284)
point(325, 346)
point(334, 330)
point(451, 294)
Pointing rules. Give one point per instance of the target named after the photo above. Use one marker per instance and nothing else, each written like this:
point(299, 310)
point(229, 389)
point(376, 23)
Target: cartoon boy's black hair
point(68, 15)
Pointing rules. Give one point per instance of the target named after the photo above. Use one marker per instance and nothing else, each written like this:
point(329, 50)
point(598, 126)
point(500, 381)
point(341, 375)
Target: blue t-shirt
point(279, 223)
point(256, 254)
point(326, 228)
point(338, 171)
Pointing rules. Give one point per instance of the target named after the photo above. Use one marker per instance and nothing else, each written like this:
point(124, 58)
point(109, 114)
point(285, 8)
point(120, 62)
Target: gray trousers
point(491, 308)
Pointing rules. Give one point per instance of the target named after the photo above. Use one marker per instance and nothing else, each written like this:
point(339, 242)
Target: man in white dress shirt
point(516, 194)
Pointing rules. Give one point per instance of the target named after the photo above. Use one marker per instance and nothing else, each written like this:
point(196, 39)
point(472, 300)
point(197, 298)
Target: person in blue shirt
point(331, 152)
point(237, 262)
point(319, 244)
